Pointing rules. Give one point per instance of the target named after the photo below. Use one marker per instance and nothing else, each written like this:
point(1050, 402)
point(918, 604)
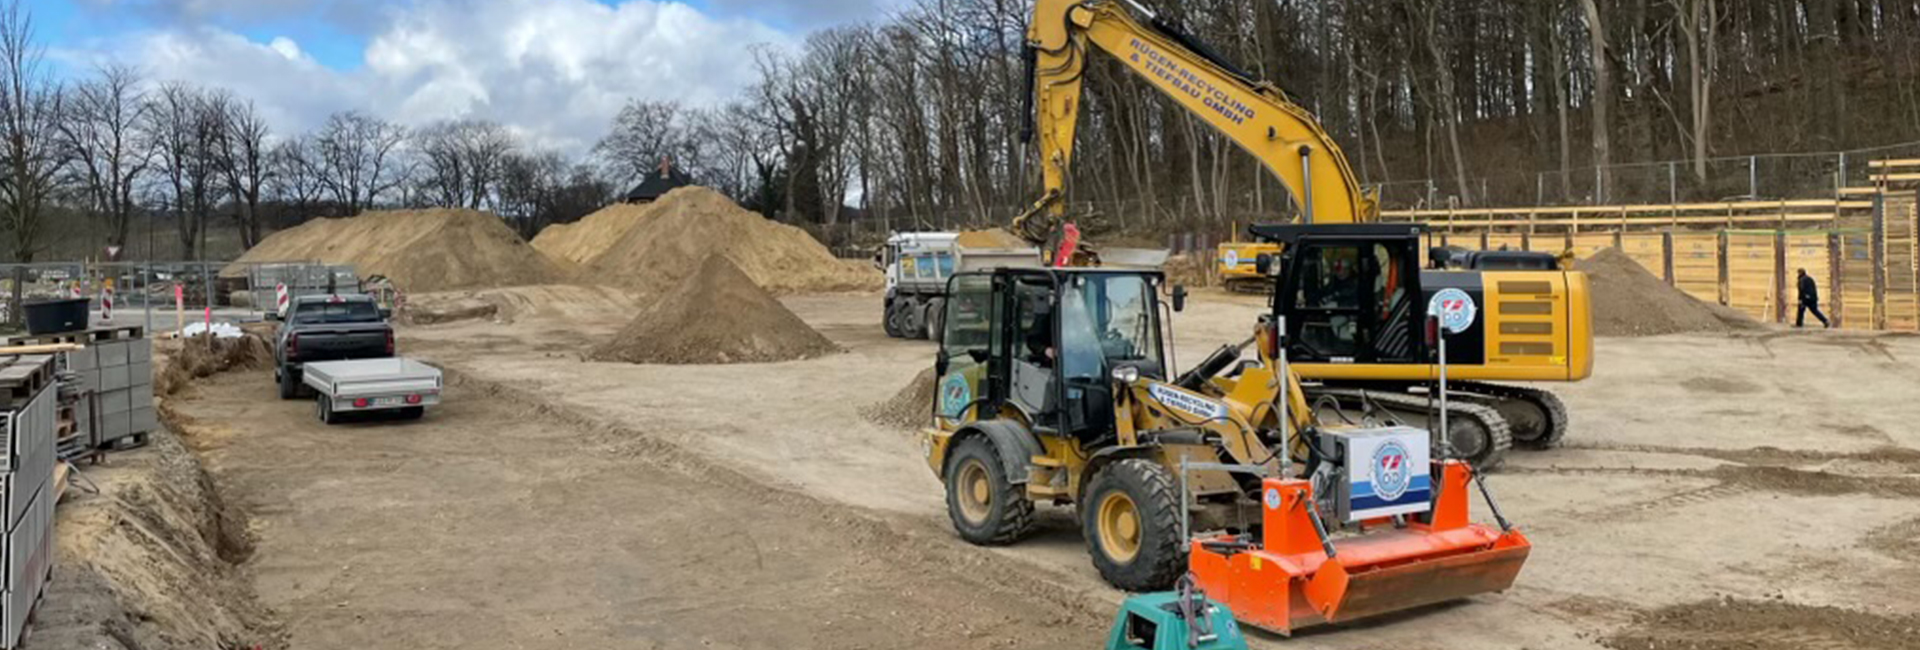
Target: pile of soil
point(581, 241)
point(420, 250)
point(509, 304)
point(907, 409)
point(990, 238)
point(202, 356)
point(1730, 624)
point(653, 248)
point(1629, 301)
point(717, 316)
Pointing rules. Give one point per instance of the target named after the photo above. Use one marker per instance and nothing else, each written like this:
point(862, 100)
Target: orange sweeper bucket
point(1286, 581)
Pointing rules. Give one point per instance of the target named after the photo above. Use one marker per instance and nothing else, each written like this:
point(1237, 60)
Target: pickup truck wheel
point(323, 406)
point(289, 385)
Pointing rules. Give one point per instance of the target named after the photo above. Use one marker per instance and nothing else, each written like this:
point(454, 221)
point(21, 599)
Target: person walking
point(1809, 301)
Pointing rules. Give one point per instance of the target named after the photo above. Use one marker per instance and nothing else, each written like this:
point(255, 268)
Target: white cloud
point(555, 71)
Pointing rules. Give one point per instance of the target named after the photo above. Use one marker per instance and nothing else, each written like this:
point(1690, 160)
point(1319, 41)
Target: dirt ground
point(1713, 488)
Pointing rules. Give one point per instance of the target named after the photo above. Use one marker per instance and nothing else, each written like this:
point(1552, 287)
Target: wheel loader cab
point(1350, 293)
point(1044, 343)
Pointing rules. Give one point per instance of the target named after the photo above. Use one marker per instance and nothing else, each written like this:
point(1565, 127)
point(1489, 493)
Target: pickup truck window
point(337, 312)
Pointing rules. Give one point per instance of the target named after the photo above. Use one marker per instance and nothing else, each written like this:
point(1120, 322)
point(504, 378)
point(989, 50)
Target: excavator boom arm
point(1282, 135)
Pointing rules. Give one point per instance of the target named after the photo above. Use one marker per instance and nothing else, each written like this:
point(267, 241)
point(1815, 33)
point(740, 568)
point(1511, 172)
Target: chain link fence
point(165, 296)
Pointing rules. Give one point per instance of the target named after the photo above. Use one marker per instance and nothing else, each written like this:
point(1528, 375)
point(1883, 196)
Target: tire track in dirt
point(1730, 624)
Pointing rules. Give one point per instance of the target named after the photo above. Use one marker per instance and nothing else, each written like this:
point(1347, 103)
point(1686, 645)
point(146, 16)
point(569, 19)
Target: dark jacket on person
point(1809, 291)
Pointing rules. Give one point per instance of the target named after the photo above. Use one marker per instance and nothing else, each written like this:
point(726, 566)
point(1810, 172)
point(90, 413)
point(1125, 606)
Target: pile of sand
point(508, 304)
point(1629, 301)
point(911, 407)
point(420, 250)
point(717, 316)
point(990, 238)
point(652, 248)
point(581, 241)
point(202, 356)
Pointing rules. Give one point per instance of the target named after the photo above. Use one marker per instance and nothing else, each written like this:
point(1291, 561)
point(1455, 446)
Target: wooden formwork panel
point(1856, 280)
point(1901, 258)
point(1696, 265)
point(1647, 249)
point(1586, 244)
point(1808, 251)
point(1750, 281)
point(1505, 241)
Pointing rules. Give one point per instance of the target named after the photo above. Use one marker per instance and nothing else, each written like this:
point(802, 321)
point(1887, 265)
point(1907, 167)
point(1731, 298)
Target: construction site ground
point(1716, 491)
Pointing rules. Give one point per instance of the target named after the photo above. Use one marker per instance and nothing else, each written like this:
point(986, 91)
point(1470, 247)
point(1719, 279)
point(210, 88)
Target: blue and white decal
point(1188, 403)
point(1390, 475)
point(955, 395)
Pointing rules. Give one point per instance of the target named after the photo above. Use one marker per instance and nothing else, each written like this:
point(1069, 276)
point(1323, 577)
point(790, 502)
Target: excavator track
point(1481, 435)
point(1538, 418)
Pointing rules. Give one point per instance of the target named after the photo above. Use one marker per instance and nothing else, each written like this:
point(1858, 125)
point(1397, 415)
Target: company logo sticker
point(1391, 476)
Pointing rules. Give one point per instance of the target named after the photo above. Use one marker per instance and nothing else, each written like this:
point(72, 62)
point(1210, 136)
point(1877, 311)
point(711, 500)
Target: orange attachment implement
point(1286, 581)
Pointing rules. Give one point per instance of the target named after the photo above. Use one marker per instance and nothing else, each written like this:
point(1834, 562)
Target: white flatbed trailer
point(361, 385)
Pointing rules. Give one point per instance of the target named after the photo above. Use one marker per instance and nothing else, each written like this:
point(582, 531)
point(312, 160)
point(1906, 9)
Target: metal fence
point(167, 295)
point(1731, 178)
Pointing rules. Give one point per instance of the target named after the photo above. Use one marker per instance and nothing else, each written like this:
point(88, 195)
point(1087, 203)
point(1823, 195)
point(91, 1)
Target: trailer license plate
point(388, 401)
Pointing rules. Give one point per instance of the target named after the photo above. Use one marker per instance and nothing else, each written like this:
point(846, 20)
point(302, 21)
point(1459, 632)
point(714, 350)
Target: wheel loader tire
point(937, 320)
point(890, 319)
point(1131, 520)
point(985, 508)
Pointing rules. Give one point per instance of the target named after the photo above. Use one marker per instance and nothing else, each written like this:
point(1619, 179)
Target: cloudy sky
point(555, 70)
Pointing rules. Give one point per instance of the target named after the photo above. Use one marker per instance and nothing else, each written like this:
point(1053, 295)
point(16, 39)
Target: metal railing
point(166, 295)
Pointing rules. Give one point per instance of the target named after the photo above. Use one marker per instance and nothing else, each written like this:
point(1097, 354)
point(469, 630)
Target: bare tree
point(643, 134)
point(242, 161)
point(100, 135)
point(461, 161)
point(182, 125)
point(358, 161)
point(1602, 97)
point(295, 175)
point(30, 110)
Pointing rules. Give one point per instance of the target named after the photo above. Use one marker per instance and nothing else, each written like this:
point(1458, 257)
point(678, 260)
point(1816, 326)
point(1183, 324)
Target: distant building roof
point(658, 183)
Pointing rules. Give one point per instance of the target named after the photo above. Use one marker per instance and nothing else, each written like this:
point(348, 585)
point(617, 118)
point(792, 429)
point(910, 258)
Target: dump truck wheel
point(937, 320)
point(986, 509)
point(1131, 522)
point(891, 319)
point(913, 319)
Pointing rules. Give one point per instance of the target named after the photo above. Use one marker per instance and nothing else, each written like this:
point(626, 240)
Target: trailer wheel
point(323, 407)
point(289, 386)
point(1130, 519)
point(413, 412)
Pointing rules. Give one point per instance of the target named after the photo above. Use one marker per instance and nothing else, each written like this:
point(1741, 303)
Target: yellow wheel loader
point(1054, 388)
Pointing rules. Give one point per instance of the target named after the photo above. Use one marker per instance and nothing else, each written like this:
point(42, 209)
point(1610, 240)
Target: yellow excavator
point(1354, 300)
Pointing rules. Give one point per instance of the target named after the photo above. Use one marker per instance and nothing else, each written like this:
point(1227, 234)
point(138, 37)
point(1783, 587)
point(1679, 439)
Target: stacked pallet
point(113, 377)
point(27, 420)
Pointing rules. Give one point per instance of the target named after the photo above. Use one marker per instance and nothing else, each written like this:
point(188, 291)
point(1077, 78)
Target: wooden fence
point(1861, 246)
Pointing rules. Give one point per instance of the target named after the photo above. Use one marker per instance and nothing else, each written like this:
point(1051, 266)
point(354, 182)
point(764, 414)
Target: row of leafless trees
point(918, 118)
point(115, 148)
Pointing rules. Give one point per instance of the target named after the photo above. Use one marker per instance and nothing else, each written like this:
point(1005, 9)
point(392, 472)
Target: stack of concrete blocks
point(27, 483)
point(120, 373)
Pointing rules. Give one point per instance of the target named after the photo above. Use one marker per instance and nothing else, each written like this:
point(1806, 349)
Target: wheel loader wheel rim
point(975, 491)
point(1119, 527)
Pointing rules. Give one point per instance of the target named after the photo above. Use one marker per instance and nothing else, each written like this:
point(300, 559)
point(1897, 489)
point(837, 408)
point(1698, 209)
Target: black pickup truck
point(327, 328)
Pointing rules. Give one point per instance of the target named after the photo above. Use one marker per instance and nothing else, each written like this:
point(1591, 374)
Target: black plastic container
point(56, 316)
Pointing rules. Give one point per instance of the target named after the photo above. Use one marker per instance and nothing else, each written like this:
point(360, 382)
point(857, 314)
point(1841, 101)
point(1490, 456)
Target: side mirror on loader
point(1179, 297)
